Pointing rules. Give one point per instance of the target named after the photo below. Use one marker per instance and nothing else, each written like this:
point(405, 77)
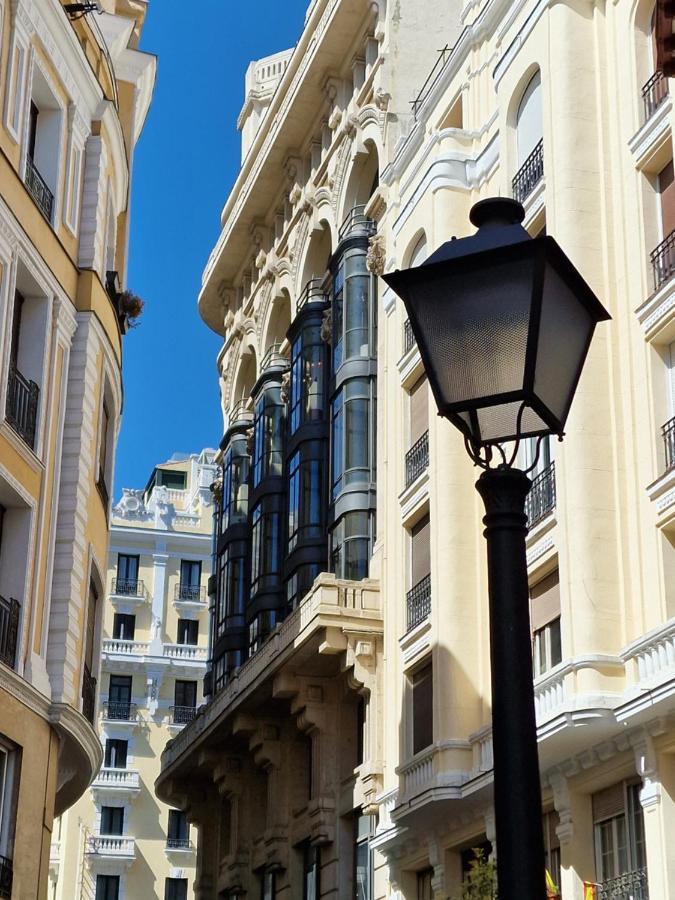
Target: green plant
point(480, 883)
point(130, 304)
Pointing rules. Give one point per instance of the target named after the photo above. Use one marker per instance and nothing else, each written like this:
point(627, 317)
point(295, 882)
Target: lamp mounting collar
point(76, 10)
point(496, 211)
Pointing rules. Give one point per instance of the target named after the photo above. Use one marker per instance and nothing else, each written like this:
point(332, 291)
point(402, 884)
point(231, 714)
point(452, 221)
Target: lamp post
point(503, 323)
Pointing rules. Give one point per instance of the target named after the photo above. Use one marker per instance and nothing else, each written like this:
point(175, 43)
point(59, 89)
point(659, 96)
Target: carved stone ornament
point(382, 99)
point(217, 489)
point(249, 441)
point(285, 387)
point(326, 332)
point(131, 505)
point(376, 257)
point(229, 319)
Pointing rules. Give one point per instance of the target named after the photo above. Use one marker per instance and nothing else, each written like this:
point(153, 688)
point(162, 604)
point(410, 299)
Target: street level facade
point(345, 746)
point(118, 842)
point(74, 93)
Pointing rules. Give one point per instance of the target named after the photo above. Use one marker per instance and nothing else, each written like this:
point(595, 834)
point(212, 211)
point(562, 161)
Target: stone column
point(575, 832)
point(203, 816)
point(658, 806)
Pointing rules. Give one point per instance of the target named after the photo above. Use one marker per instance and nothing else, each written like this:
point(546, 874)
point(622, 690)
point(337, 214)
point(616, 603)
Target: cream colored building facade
point(350, 689)
point(118, 837)
point(74, 93)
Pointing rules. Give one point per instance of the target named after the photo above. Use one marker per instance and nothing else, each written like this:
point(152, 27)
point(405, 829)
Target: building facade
point(345, 748)
point(74, 93)
point(118, 841)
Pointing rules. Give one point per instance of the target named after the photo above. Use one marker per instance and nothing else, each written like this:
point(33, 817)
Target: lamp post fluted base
point(517, 790)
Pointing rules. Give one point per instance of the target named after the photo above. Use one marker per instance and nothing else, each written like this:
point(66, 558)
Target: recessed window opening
point(115, 753)
point(529, 128)
point(422, 708)
point(124, 626)
point(43, 144)
point(545, 620)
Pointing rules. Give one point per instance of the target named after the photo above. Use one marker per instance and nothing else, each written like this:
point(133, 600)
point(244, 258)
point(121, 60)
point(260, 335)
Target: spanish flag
point(552, 892)
point(590, 890)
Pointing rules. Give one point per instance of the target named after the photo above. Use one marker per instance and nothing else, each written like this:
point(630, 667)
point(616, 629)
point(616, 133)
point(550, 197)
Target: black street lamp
point(503, 323)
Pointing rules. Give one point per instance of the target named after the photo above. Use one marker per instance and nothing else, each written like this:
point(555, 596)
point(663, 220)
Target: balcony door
point(120, 689)
point(186, 694)
point(112, 820)
point(127, 573)
point(620, 838)
point(190, 577)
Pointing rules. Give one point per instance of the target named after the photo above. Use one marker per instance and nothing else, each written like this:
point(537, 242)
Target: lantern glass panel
point(478, 334)
point(500, 422)
point(564, 334)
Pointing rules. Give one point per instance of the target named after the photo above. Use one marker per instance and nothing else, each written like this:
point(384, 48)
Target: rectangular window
point(16, 328)
point(545, 621)
point(107, 887)
point(424, 888)
point(32, 129)
point(177, 832)
point(185, 694)
point(311, 872)
point(190, 573)
point(124, 627)
point(420, 551)
point(127, 574)
point(188, 630)
point(175, 889)
point(666, 188)
point(115, 753)
point(419, 410)
point(422, 703)
point(90, 632)
point(103, 452)
point(268, 886)
point(10, 769)
point(552, 846)
point(619, 832)
point(120, 689)
point(112, 820)
point(363, 860)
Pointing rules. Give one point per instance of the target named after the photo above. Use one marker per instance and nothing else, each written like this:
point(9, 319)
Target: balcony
point(117, 781)
point(541, 499)
point(173, 843)
point(529, 175)
point(189, 653)
point(181, 715)
point(418, 603)
point(408, 337)
point(190, 593)
point(6, 877)
point(663, 261)
point(21, 406)
point(88, 695)
point(111, 846)
point(356, 223)
point(128, 587)
point(668, 432)
point(9, 630)
point(38, 190)
point(432, 78)
point(118, 647)
point(119, 711)
point(313, 292)
point(417, 459)
point(654, 93)
point(629, 886)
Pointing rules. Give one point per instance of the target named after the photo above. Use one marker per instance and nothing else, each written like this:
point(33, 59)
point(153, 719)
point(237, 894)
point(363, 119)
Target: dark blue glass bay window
point(268, 433)
point(308, 374)
point(352, 456)
point(354, 313)
point(351, 540)
point(305, 495)
point(236, 464)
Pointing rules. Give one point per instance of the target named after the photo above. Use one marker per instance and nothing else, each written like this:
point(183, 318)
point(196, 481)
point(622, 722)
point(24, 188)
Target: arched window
point(529, 127)
point(419, 252)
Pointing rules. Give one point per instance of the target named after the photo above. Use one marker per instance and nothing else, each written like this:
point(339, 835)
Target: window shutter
point(545, 601)
point(420, 557)
point(666, 183)
point(608, 803)
point(419, 410)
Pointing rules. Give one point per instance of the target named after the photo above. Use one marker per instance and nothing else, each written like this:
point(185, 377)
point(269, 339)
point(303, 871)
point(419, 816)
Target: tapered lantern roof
point(503, 323)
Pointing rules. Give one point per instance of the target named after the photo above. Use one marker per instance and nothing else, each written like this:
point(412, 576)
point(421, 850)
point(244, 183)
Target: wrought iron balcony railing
point(668, 431)
point(418, 603)
point(173, 843)
point(273, 357)
point(629, 886)
point(663, 260)
point(192, 593)
point(432, 78)
point(6, 877)
point(313, 292)
point(417, 459)
point(241, 412)
point(127, 587)
point(356, 222)
point(119, 711)
point(39, 190)
point(529, 175)
point(408, 337)
point(22, 404)
point(181, 715)
point(541, 499)
point(88, 695)
point(9, 630)
point(654, 93)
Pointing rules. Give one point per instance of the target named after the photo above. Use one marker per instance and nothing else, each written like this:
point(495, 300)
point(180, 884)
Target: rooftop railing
point(190, 593)
point(22, 404)
point(668, 432)
point(663, 261)
point(432, 78)
point(356, 222)
point(541, 499)
point(313, 292)
point(654, 93)
point(418, 603)
point(39, 190)
point(9, 630)
point(529, 174)
point(417, 459)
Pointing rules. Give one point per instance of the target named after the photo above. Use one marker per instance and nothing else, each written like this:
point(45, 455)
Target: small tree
point(131, 306)
point(480, 883)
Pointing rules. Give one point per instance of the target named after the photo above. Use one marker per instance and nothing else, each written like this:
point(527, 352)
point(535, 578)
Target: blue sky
point(186, 162)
